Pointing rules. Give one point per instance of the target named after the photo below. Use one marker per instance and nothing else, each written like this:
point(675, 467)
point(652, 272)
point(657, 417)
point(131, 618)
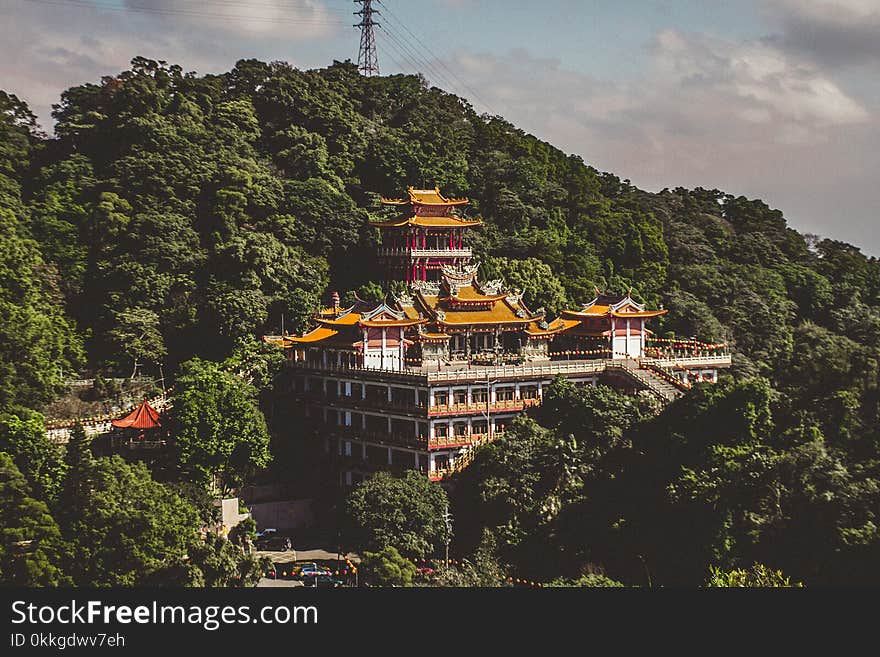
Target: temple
point(419, 379)
point(140, 428)
point(427, 236)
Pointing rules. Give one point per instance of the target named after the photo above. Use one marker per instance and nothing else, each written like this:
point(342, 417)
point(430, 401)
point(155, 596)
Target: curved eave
point(428, 222)
point(642, 313)
point(557, 327)
point(474, 301)
point(346, 320)
point(488, 321)
point(319, 334)
point(594, 311)
point(451, 201)
point(396, 322)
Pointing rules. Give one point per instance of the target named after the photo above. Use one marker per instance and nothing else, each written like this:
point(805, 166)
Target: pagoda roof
point(534, 329)
point(425, 197)
point(459, 300)
point(431, 337)
point(318, 334)
point(142, 417)
point(428, 222)
point(610, 305)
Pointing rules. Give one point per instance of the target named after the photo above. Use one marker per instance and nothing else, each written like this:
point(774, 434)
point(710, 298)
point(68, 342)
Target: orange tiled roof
point(425, 197)
point(433, 336)
point(557, 325)
point(592, 311)
point(143, 417)
point(315, 335)
point(500, 313)
point(349, 319)
point(429, 222)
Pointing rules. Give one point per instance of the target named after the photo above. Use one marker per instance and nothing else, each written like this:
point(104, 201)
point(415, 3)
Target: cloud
point(46, 48)
point(745, 117)
point(831, 32)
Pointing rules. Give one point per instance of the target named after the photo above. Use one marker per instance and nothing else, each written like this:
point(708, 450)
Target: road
point(305, 555)
point(280, 557)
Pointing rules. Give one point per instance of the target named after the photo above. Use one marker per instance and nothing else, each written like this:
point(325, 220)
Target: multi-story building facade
point(417, 381)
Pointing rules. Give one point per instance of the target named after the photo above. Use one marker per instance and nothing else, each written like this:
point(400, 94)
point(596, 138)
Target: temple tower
point(427, 236)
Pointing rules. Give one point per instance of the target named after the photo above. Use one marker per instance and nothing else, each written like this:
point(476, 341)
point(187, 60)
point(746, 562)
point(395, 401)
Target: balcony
point(506, 406)
point(357, 402)
point(452, 442)
point(372, 436)
point(464, 252)
point(531, 370)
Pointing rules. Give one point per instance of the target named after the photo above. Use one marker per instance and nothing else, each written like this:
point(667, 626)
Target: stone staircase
point(649, 380)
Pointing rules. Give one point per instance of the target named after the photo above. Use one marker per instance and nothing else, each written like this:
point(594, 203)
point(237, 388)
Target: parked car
point(270, 539)
point(310, 570)
point(323, 580)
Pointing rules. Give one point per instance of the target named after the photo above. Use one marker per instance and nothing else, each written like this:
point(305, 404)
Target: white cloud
point(745, 117)
point(46, 48)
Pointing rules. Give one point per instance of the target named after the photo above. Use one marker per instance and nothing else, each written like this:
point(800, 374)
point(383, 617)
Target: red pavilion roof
point(143, 417)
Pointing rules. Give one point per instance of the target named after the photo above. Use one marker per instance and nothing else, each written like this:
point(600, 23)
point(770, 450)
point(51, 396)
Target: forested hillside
point(175, 215)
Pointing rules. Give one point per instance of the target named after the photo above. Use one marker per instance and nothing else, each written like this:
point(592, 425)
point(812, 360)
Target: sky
point(770, 99)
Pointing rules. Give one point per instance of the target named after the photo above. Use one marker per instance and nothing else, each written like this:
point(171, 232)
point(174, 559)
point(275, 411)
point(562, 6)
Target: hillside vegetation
point(176, 215)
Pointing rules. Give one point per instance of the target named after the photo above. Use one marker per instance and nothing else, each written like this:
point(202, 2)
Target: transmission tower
point(368, 60)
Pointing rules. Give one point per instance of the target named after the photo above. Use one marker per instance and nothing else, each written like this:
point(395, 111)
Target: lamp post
point(447, 519)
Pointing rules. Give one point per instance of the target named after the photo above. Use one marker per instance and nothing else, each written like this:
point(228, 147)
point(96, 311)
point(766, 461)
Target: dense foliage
point(401, 512)
point(723, 478)
point(219, 432)
point(175, 216)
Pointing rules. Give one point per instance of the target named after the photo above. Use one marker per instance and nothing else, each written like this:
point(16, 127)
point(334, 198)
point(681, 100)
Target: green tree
point(130, 529)
point(219, 433)
point(30, 541)
point(37, 341)
point(387, 568)
point(540, 287)
point(590, 580)
point(137, 334)
point(481, 569)
point(757, 576)
point(404, 512)
point(23, 436)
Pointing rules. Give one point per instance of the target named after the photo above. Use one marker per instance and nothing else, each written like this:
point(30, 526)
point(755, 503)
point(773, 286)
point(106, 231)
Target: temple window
point(504, 394)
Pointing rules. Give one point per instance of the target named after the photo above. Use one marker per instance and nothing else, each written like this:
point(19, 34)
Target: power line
point(411, 63)
point(420, 62)
point(439, 60)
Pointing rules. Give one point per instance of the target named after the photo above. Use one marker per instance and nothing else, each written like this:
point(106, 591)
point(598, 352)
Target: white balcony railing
point(464, 252)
